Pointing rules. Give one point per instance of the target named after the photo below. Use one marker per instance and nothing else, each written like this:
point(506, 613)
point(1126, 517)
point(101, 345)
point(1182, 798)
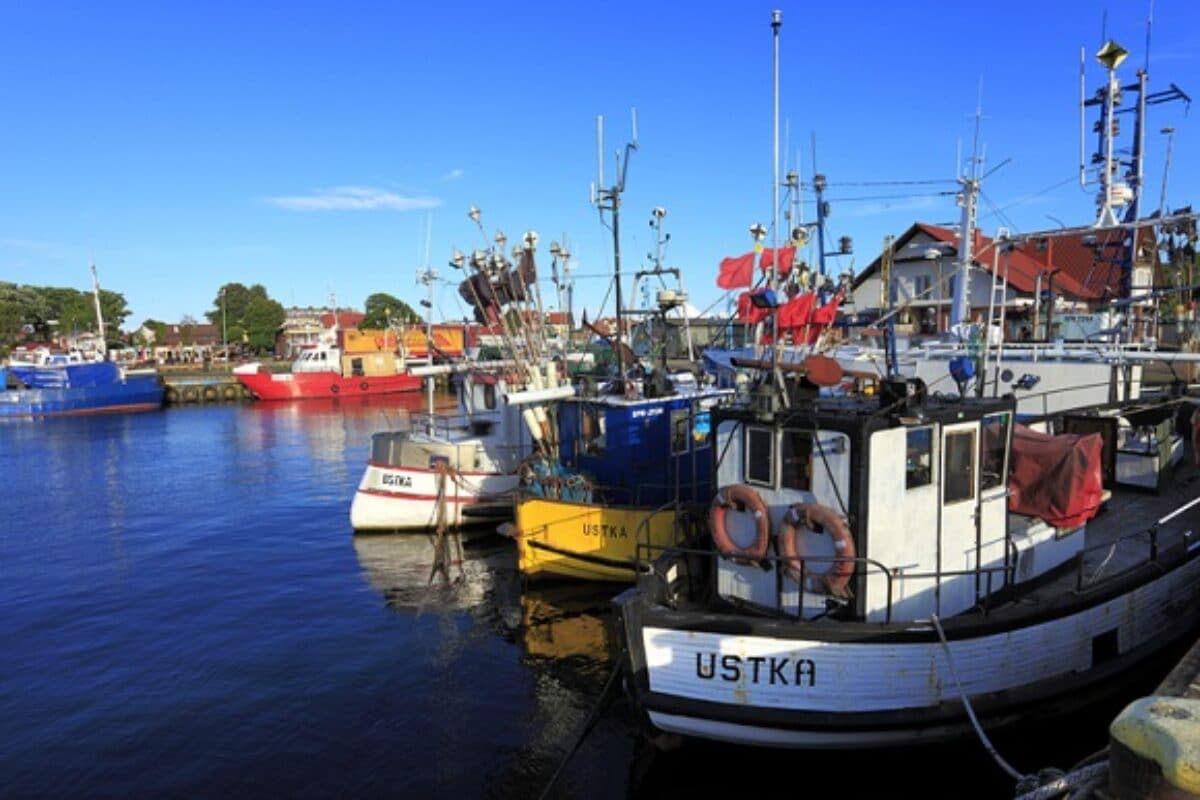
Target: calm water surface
point(184, 611)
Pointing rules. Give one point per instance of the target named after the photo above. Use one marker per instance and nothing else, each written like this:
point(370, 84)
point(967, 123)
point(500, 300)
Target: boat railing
point(1084, 582)
point(863, 567)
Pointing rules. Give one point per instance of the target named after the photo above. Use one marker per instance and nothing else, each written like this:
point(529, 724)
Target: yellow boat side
point(556, 538)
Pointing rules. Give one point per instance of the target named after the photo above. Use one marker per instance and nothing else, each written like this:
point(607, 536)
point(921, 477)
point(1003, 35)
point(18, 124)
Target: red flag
point(796, 312)
point(748, 312)
point(736, 271)
point(823, 317)
point(786, 256)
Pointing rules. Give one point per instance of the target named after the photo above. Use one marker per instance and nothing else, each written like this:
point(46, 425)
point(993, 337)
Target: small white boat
point(453, 470)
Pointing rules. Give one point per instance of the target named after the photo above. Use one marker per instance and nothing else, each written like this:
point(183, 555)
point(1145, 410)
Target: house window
point(795, 460)
point(918, 465)
point(995, 444)
point(960, 467)
point(489, 396)
point(760, 455)
point(680, 431)
point(921, 286)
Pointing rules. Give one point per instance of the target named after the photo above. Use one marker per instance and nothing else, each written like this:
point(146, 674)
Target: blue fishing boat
point(83, 388)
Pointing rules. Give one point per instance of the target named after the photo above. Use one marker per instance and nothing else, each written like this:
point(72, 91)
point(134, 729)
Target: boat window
point(795, 460)
point(760, 455)
point(323, 354)
point(960, 467)
point(680, 431)
point(489, 396)
point(918, 466)
point(591, 430)
point(701, 428)
point(356, 367)
point(995, 442)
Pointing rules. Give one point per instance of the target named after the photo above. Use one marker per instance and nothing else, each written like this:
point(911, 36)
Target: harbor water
point(185, 612)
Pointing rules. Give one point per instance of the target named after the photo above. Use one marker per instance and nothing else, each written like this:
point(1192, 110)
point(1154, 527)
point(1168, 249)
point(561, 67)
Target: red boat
point(326, 372)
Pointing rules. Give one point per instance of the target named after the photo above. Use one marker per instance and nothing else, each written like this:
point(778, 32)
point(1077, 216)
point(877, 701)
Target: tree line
point(247, 316)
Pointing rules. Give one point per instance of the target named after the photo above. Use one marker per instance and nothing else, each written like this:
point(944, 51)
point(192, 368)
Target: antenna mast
point(610, 200)
point(99, 314)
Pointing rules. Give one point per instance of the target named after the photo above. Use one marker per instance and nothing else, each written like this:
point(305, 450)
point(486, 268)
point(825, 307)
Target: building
point(1079, 272)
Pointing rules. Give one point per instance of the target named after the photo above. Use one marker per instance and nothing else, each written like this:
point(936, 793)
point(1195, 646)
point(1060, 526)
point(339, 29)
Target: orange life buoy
point(807, 516)
point(743, 498)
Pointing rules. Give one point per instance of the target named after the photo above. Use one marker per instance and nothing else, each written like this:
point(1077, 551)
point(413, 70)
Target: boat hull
point(135, 393)
point(560, 539)
point(393, 498)
point(301, 385)
point(779, 683)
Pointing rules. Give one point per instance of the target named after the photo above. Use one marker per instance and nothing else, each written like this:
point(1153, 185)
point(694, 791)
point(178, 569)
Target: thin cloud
point(453, 175)
point(354, 198)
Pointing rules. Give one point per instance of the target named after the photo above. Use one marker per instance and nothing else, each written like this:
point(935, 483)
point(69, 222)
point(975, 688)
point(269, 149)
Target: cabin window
point(795, 461)
point(356, 366)
point(680, 431)
point(591, 430)
point(995, 443)
point(918, 465)
point(323, 354)
point(760, 455)
point(701, 428)
point(489, 395)
point(960, 467)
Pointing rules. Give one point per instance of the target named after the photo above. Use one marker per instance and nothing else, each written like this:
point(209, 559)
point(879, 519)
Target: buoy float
point(742, 498)
point(805, 517)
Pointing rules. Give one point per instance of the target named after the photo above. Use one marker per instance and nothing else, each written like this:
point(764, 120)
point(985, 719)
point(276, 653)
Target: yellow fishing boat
point(587, 541)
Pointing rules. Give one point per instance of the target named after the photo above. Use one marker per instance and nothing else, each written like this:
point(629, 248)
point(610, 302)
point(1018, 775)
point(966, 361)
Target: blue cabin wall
point(636, 465)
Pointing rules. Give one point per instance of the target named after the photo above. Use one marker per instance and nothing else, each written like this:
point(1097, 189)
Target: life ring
point(806, 517)
point(379, 342)
point(742, 498)
point(363, 386)
point(335, 388)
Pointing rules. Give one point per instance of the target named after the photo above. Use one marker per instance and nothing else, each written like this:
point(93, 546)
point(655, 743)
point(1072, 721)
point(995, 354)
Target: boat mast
point(99, 314)
point(610, 200)
point(776, 22)
point(960, 306)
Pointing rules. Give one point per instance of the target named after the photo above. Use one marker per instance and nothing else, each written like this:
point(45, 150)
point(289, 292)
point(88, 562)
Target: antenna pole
point(1082, 101)
point(99, 314)
point(610, 200)
point(776, 21)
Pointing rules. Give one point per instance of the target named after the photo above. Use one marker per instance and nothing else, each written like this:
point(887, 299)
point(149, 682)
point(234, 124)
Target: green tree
point(248, 314)
point(382, 308)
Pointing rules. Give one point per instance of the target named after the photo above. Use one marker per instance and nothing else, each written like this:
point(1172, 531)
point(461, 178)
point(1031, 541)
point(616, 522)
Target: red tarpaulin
point(1055, 478)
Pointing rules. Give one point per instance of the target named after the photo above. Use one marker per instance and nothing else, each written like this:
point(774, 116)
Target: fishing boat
point(875, 570)
point(634, 455)
point(451, 471)
point(914, 566)
point(62, 384)
point(80, 388)
point(327, 371)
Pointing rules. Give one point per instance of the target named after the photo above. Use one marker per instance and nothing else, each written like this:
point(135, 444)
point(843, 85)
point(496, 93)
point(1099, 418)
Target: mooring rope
point(593, 718)
point(987, 743)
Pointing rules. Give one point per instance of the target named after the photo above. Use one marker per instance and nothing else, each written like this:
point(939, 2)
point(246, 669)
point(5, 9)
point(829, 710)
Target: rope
point(593, 717)
point(987, 743)
point(1065, 783)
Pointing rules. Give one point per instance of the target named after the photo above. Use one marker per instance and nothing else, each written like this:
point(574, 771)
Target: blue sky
point(307, 146)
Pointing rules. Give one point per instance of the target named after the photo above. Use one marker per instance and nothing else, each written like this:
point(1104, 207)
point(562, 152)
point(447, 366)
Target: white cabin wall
point(902, 530)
